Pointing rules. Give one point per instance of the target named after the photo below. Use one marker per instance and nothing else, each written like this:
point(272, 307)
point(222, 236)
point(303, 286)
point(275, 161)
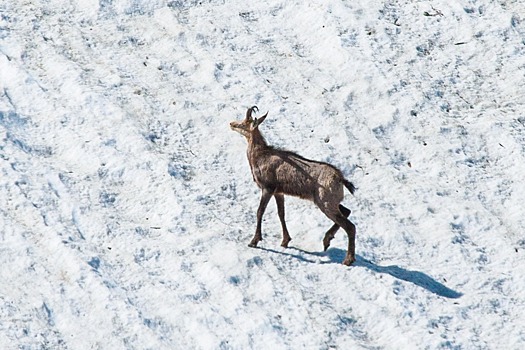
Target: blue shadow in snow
point(418, 278)
point(336, 255)
point(300, 256)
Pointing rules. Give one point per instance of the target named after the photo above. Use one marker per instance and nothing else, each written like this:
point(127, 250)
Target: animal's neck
point(256, 147)
point(256, 141)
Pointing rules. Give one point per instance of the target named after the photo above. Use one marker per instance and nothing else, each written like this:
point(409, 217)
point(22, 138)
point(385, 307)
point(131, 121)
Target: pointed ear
point(258, 121)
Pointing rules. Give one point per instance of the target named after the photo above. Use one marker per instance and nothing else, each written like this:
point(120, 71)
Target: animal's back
point(301, 177)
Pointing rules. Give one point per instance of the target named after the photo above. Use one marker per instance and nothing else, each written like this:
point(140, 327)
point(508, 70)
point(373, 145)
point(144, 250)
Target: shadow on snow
point(336, 255)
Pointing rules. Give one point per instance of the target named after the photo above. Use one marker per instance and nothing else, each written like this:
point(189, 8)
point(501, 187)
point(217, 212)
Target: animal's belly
point(294, 191)
point(296, 185)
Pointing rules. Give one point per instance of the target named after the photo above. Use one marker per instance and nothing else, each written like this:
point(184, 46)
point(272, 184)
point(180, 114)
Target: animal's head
point(247, 126)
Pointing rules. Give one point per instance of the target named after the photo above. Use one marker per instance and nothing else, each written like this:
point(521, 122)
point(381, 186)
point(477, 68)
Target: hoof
point(326, 240)
point(253, 243)
point(326, 244)
point(284, 244)
point(348, 261)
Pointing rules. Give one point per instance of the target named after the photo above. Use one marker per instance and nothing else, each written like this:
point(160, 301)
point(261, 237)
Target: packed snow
point(127, 203)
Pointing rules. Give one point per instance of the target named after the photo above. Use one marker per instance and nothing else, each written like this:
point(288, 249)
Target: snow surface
point(126, 202)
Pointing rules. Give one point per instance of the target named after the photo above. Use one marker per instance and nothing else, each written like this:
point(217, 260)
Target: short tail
point(350, 186)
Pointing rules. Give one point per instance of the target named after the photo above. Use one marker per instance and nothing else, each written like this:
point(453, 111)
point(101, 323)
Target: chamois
point(279, 172)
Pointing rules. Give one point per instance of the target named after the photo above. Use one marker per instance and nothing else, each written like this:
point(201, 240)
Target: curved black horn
point(249, 112)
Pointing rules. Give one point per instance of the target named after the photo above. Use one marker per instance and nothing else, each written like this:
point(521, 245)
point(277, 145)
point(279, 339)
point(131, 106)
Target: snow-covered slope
point(126, 203)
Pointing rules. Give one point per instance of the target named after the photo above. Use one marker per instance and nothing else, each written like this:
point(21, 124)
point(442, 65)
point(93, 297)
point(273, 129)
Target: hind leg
point(350, 253)
point(339, 219)
point(330, 234)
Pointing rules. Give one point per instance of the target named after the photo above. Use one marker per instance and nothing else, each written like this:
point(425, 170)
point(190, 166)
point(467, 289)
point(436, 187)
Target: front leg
point(265, 198)
point(279, 199)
